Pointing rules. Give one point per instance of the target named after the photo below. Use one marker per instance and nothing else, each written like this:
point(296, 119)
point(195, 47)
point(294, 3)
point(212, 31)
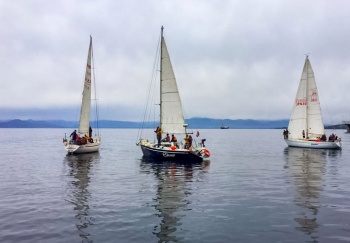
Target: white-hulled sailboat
point(306, 129)
point(82, 141)
point(171, 120)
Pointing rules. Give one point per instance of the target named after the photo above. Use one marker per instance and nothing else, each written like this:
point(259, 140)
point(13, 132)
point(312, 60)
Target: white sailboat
point(82, 141)
point(306, 129)
point(172, 120)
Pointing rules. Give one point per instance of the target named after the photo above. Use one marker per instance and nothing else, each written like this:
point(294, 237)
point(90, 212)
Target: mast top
point(162, 31)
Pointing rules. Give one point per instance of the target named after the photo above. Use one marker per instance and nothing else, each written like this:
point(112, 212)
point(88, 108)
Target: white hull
point(314, 144)
point(72, 148)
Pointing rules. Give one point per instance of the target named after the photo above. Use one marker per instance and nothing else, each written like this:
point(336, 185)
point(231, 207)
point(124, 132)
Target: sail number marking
point(300, 102)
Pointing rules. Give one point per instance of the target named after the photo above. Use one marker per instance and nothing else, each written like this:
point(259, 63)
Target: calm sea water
point(253, 189)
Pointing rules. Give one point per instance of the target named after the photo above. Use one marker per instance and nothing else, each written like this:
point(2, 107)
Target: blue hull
point(161, 154)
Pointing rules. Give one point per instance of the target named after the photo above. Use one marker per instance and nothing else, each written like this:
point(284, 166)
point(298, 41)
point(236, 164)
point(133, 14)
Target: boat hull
point(314, 144)
point(166, 154)
point(81, 149)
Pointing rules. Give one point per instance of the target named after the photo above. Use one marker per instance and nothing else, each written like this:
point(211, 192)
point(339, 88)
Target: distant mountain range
point(207, 123)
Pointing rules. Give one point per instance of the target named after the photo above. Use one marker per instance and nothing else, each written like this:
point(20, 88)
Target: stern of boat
point(70, 147)
point(338, 143)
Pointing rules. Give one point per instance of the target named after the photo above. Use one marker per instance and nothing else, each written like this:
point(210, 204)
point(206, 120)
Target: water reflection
point(79, 170)
point(307, 168)
point(173, 191)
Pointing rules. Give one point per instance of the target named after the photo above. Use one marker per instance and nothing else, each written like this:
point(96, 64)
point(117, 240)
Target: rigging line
point(152, 109)
point(155, 63)
point(78, 107)
point(328, 113)
point(325, 104)
point(152, 91)
point(95, 93)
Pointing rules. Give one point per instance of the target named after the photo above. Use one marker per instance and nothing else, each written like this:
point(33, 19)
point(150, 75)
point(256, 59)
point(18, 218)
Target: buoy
point(206, 152)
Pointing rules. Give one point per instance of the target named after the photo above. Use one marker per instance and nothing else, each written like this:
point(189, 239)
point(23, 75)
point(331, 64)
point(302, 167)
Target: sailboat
point(224, 127)
point(306, 129)
point(171, 120)
point(82, 141)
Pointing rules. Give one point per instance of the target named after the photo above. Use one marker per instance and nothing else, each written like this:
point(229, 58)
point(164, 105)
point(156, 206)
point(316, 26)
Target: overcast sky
point(232, 59)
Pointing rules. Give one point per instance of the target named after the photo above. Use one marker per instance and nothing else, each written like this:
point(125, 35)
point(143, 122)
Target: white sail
point(172, 118)
point(84, 121)
point(306, 113)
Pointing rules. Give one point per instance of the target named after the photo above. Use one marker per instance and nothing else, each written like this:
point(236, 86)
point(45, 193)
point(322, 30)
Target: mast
point(160, 76)
point(307, 97)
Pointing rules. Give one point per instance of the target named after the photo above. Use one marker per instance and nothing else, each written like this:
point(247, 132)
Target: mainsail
point(306, 113)
point(171, 114)
point(84, 122)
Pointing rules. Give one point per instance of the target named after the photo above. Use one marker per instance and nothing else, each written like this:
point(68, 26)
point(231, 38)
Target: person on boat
point(88, 138)
point(173, 139)
point(323, 138)
point(284, 134)
point(73, 135)
point(287, 132)
point(187, 143)
point(332, 137)
point(190, 141)
point(158, 131)
point(203, 140)
point(90, 131)
point(83, 140)
point(303, 133)
point(167, 138)
point(77, 140)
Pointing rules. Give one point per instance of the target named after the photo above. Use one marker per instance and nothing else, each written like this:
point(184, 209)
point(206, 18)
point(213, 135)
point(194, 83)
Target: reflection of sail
point(172, 194)
point(306, 167)
point(79, 170)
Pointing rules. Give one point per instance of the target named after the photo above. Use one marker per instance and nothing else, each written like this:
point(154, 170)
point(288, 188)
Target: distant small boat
point(347, 123)
point(82, 141)
point(224, 127)
point(306, 129)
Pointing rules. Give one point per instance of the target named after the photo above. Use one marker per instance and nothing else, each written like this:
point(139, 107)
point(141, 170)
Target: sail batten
point(84, 122)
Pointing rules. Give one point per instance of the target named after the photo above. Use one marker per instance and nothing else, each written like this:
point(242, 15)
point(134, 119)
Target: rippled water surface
point(253, 189)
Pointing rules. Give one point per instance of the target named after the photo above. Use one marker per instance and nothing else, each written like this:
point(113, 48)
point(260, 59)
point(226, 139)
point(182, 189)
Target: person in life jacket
point(190, 139)
point(187, 142)
point(158, 131)
point(167, 138)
